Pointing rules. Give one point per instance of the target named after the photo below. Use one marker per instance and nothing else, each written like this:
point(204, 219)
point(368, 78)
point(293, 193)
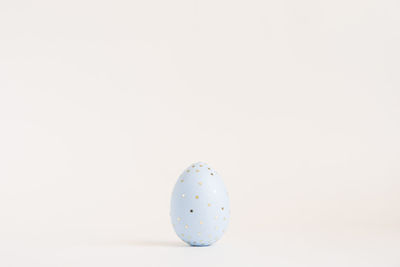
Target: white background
point(295, 103)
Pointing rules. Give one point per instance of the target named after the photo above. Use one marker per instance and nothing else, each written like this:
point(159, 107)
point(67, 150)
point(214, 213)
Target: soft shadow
point(149, 243)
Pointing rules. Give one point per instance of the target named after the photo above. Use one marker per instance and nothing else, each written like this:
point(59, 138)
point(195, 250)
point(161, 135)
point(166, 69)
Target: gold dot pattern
point(211, 216)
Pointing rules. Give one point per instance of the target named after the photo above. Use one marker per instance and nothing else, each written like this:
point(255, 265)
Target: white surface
point(295, 103)
point(358, 247)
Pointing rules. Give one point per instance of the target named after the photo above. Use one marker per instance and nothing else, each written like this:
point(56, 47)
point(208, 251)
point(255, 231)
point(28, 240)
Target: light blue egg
point(200, 206)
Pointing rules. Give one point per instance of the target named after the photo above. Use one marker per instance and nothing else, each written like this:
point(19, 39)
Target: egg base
point(199, 245)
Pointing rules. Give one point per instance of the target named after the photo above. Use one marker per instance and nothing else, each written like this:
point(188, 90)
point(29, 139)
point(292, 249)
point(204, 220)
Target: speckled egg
point(200, 206)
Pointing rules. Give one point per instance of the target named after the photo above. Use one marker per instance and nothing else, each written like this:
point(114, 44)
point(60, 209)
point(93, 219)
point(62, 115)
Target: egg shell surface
point(200, 208)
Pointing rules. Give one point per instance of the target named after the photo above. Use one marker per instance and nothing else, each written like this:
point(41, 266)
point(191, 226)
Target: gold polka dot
point(186, 226)
point(212, 173)
point(178, 219)
point(197, 197)
point(209, 204)
point(201, 165)
point(183, 195)
point(209, 168)
point(188, 171)
point(182, 235)
point(197, 170)
point(182, 181)
point(201, 222)
point(193, 166)
point(222, 208)
point(224, 218)
point(200, 183)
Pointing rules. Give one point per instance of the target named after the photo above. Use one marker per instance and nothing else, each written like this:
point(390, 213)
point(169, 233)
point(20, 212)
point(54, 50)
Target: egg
point(200, 208)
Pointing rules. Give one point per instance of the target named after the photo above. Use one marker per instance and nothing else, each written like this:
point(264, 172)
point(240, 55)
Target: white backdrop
point(104, 103)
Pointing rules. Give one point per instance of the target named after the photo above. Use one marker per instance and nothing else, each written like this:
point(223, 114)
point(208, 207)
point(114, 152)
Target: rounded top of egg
point(200, 208)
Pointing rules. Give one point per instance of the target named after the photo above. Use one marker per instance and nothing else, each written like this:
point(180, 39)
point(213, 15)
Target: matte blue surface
point(200, 208)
